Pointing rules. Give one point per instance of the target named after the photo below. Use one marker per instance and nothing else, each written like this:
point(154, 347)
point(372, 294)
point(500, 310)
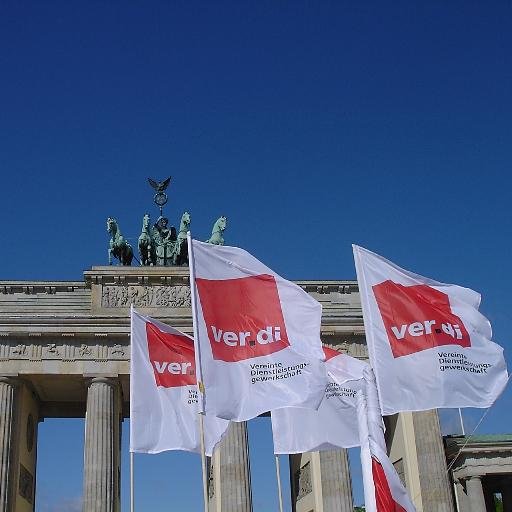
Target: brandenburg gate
point(65, 352)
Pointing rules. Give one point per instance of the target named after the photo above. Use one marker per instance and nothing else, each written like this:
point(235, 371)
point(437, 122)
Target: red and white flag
point(258, 335)
point(334, 424)
point(383, 490)
point(428, 344)
point(163, 391)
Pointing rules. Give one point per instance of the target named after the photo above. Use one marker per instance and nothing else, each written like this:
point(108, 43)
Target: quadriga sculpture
point(159, 245)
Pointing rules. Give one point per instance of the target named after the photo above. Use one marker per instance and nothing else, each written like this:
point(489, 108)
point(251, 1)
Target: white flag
point(383, 490)
point(258, 335)
point(163, 391)
point(334, 424)
point(428, 344)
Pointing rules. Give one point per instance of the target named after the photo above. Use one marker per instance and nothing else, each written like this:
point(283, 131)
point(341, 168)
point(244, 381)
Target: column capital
point(102, 379)
point(10, 379)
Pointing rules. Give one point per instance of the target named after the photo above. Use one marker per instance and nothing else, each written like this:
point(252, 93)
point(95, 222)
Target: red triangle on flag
point(383, 497)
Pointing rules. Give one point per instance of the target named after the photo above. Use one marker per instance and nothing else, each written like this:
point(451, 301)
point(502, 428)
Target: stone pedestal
point(475, 494)
point(102, 446)
point(230, 478)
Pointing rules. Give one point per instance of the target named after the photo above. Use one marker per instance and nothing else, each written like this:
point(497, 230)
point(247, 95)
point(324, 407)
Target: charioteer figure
point(164, 238)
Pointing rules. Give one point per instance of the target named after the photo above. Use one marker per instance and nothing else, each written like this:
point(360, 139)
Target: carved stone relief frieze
point(52, 352)
point(26, 484)
point(356, 347)
point(303, 479)
point(211, 480)
point(120, 296)
point(117, 351)
point(64, 351)
point(84, 350)
point(19, 350)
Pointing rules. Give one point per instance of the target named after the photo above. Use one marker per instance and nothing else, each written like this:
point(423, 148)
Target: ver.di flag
point(163, 391)
point(334, 424)
point(258, 335)
point(428, 344)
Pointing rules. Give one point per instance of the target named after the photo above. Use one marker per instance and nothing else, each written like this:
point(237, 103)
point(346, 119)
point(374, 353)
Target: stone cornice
point(149, 276)
point(456, 445)
point(136, 276)
point(180, 275)
point(34, 287)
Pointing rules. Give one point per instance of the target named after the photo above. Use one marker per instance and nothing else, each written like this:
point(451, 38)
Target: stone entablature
point(99, 305)
point(482, 455)
point(77, 328)
point(481, 468)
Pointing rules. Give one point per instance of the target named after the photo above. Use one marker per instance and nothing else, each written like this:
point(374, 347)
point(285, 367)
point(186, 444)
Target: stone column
point(102, 446)
point(460, 497)
point(434, 482)
point(475, 494)
point(8, 405)
point(230, 486)
point(336, 483)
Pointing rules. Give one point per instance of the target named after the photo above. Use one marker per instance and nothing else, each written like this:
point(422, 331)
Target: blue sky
point(310, 125)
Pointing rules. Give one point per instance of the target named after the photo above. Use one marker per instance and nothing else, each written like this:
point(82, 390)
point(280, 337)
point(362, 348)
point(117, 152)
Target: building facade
point(481, 471)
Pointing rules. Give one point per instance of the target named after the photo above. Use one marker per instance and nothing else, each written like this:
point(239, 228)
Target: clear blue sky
point(310, 125)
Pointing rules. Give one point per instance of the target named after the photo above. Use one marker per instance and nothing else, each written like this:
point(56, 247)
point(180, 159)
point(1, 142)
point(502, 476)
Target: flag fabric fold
point(258, 335)
point(383, 490)
point(164, 412)
point(428, 344)
point(334, 424)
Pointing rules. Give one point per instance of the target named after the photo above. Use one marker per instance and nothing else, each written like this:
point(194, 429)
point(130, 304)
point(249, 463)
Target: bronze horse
point(118, 247)
point(146, 245)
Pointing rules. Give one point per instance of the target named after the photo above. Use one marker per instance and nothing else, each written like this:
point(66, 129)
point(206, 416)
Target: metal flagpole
point(279, 489)
point(461, 422)
point(199, 372)
point(203, 462)
point(132, 503)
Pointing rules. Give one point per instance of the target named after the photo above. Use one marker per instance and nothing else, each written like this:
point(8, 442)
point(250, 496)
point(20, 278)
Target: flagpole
point(132, 503)
point(461, 422)
point(370, 424)
point(366, 467)
point(203, 462)
point(199, 371)
point(279, 489)
point(132, 493)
